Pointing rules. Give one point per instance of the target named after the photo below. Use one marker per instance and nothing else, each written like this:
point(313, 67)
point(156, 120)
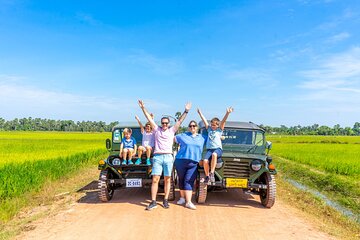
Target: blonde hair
point(127, 130)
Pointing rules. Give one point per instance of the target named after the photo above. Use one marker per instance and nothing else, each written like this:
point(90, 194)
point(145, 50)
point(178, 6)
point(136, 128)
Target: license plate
point(236, 183)
point(134, 182)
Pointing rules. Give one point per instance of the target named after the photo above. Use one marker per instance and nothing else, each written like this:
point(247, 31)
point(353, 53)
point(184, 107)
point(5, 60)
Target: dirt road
point(226, 215)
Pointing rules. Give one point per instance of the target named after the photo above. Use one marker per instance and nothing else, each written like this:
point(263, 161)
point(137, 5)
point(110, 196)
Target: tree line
point(315, 129)
point(39, 124)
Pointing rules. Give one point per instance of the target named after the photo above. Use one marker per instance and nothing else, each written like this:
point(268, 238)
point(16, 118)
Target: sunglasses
point(192, 125)
point(164, 123)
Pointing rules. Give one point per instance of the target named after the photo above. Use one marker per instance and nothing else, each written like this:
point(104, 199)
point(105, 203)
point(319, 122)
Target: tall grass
point(28, 160)
point(330, 164)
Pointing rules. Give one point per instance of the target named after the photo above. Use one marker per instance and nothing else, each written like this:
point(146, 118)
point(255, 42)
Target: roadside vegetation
point(328, 164)
point(28, 160)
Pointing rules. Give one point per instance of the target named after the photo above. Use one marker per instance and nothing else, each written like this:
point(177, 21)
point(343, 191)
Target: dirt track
point(226, 215)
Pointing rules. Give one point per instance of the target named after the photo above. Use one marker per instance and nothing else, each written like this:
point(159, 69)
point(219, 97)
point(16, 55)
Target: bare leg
point(182, 193)
point(167, 186)
point(154, 187)
point(140, 151)
point(213, 162)
point(124, 153)
point(148, 152)
point(206, 167)
point(188, 195)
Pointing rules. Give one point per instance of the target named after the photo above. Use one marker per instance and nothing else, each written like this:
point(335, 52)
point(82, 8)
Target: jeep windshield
point(243, 140)
point(136, 133)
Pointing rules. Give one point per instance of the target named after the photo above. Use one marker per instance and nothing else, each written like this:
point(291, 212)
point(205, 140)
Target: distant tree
point(177, 115)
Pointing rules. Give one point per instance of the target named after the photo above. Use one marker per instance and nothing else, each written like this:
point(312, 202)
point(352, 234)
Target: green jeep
point(245, 163)
point(114, 175)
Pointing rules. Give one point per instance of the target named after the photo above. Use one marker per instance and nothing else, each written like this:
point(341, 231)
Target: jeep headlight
point(116, 161)
point(255, 165)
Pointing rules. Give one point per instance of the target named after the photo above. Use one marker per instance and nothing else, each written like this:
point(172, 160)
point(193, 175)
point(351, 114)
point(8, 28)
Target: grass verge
point(316, 210)
point(53, 197)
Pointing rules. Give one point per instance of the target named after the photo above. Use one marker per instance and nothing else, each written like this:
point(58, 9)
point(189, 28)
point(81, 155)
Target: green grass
point(30, 159)
point(329, 164)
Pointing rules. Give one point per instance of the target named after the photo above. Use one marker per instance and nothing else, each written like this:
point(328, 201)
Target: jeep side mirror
point(268, 145)
point(108, 144)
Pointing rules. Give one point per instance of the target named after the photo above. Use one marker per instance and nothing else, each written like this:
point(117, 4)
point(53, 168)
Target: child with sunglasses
point(213, 143)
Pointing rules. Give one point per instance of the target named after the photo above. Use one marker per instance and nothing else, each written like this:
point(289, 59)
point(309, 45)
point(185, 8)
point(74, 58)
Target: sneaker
point(190, 205)
point(148, 162)
point(138, 161)
point(206, 180)
point(212, 178)
point(151, 206)
point(123, 162)
point(181, 201)
point(166, 203)
point(130, 162)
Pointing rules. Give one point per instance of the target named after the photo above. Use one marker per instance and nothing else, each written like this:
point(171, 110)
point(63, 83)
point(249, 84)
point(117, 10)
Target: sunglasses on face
point(192, 125)
point(164, 123)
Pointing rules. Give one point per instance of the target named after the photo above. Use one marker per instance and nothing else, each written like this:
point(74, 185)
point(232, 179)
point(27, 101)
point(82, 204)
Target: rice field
point(330, 164)
point(29, 159)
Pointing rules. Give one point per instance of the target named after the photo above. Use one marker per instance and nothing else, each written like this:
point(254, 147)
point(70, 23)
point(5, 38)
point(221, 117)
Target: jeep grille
point(236, 169)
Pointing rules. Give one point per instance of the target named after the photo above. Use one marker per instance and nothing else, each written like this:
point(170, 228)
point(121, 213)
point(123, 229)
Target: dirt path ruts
point(226, 215)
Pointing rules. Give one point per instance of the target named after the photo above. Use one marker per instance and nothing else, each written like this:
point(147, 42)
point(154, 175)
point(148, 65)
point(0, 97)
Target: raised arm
point(183, 116)
point(141, 126)
point(147, 114)
point(228, 111)
point(203, 118)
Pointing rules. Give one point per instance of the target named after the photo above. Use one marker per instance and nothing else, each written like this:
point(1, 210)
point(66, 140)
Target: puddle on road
point(328, 202)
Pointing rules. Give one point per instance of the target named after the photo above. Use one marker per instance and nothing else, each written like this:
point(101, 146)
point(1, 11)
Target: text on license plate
point(236, 183)
point(134, 182)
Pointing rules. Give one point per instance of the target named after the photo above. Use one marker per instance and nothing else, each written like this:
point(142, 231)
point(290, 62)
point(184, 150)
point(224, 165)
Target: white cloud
point(23, 101)
point(338, 37)
point(335, 79)
point(162, 66)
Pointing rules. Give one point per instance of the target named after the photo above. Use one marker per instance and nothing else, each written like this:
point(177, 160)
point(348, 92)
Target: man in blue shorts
point(163, 159)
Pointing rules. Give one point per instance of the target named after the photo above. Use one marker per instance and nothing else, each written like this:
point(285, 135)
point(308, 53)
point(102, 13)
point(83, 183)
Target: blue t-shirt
point(214, 138)
point(128, 143)
point(190, 147)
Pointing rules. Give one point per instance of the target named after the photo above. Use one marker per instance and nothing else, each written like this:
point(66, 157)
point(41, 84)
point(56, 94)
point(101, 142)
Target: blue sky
point(275, 62)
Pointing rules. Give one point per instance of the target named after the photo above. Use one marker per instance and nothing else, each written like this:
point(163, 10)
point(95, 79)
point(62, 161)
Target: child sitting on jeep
point(213, 144)
point(127, 147)
point(148, 142)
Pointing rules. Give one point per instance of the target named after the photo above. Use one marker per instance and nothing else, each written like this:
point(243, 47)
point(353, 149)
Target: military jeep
point(245, 163)
point(114, 175)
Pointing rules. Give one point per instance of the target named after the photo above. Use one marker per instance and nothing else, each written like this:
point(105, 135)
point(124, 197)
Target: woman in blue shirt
point(186, 162)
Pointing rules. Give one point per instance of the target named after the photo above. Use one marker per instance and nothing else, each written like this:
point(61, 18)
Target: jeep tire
point(267, 196)
point(106, 191)
point(201, 188)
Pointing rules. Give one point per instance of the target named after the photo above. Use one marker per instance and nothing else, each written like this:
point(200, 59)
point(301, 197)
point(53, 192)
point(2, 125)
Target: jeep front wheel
point(267, 196)
point(201, 188)
point(106, 192)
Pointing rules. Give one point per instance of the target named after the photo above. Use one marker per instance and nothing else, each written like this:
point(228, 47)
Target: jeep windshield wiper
point(255, 146)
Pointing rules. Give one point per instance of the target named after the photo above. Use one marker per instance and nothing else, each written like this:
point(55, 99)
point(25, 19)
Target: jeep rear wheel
point(267, 196)
point(201, 188)
point(106, 192)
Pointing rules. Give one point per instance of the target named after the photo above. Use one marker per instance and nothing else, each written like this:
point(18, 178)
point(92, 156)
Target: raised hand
point(229, 109)
point(137, 118)
point(141, 103)
point(187, 106)
point(199, 111)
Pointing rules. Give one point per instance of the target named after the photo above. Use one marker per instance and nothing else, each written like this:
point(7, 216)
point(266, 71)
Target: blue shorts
point(209, 152)
point(162, 162)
